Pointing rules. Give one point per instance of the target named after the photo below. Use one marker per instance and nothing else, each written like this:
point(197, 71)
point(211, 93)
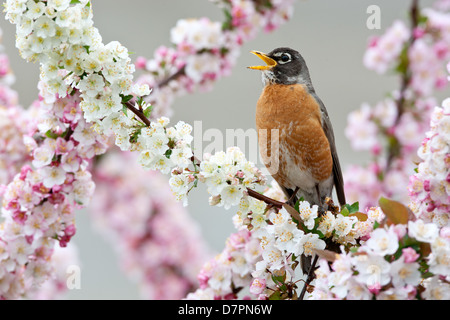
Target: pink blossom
point(410, 255)
point(258, 286)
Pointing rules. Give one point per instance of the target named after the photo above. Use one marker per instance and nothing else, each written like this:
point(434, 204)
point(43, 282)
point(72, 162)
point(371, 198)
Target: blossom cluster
point(153, 234)
point(38, 204)
point(429, 188)
point(164, 148)
point(224, 276)
point(390, 265)
point(61, 36)
point(264, 254)
point(228, 175)
point(14, 154)
point(389, 130)
point(383, 51)
point(283, 240)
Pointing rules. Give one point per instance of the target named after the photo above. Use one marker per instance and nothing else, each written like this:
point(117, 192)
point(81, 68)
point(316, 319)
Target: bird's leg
point(319, 198)
point(322, 208)
point(293, 196)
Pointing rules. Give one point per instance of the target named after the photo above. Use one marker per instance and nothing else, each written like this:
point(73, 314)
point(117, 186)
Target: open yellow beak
point(269, 61)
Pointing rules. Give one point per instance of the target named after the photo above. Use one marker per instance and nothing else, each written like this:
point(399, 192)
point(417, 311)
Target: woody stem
point(393, 149)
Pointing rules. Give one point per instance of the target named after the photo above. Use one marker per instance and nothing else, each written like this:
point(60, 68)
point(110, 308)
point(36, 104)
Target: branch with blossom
point(389, 130)
point(40, 202)
point(407, 255)
point(14, 154)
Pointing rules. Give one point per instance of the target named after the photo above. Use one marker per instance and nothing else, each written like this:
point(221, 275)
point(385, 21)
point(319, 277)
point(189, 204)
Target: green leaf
point(227, 24)
point(403, 59)
point(168, 153)
point(423, 19)
point(275, 296)
point(135, 135)
point(352, 208)
point(318, 232)
point(376, 225)
point(297, 204)
point(148, 111)
point(139, 101)
point(344, 211)
point(279, 280)
point(125, 110)
point(396, 212)
point(126, 98)
point(50, 134)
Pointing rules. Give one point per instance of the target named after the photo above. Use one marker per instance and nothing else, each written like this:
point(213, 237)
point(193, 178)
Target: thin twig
point(166, 81)
point(138, 113)
point(259, 196)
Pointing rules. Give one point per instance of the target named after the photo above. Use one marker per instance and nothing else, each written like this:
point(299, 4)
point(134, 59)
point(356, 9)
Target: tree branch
point(138, 113)
point(166, 81)
point(405, 81)
point(261, 197)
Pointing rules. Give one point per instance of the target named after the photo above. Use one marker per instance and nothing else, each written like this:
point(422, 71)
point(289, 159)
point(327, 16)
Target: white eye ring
point(283, 56)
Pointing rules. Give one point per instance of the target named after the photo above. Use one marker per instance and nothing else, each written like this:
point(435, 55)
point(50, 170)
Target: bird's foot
point(330, 206)
point(292, 199)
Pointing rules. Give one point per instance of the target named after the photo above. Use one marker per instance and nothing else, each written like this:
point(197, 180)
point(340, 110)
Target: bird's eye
point(285, 57)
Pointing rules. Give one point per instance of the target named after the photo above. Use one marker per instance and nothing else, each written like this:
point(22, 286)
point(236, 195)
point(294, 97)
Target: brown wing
point(337, 172)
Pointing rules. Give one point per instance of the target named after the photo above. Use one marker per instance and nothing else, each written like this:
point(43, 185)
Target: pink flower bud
point(410, 255)
point(203, 278)
point(375, 288)
point(140, 62)
point(24, 171)
point(70, 230)
point(418, 32)
point(373, 41)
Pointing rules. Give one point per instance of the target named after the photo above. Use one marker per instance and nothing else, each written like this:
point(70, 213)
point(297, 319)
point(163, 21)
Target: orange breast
point(302, 144)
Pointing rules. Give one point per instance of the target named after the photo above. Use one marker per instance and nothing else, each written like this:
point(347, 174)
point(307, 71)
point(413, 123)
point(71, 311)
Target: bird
point(295, 135)
point(305, 156)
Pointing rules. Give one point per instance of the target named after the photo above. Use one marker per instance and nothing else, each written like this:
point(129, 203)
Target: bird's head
point(283, 66)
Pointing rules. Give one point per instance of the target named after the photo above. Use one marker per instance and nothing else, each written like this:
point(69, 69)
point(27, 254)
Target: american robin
point(307, 161)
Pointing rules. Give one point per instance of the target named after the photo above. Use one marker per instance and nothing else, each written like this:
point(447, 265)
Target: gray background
point(332, 37)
